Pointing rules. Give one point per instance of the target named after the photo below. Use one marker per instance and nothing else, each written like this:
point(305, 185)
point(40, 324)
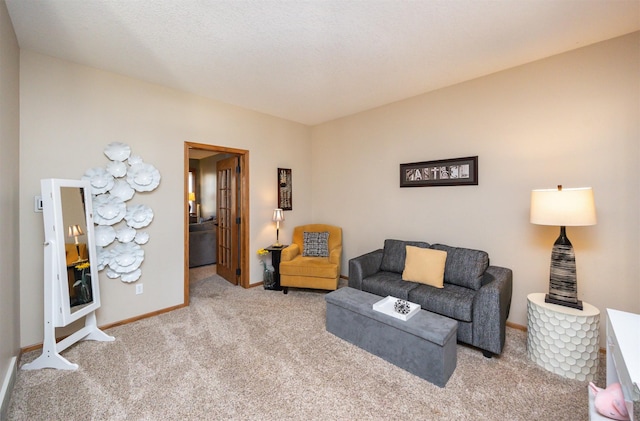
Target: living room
point(570, 118)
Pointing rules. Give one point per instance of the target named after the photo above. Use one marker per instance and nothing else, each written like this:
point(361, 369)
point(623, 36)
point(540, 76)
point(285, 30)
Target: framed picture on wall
point(443, 172)
point(285, 199)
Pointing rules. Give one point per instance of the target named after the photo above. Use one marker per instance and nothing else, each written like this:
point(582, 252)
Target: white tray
point(386, 306)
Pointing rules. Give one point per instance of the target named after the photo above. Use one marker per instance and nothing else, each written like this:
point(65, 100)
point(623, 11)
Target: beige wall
point(70, 111)
point(571, 119)
point(9, 212)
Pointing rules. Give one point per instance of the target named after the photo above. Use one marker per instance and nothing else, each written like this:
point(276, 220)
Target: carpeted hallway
point(262, 355)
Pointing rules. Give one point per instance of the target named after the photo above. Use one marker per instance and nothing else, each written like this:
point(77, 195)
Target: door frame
point(243, 157)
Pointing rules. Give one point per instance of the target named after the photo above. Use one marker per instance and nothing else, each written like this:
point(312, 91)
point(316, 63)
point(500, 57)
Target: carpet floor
point(262, 355)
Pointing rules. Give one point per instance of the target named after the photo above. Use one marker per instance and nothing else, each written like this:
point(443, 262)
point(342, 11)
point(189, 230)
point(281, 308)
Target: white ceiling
point(316, 60)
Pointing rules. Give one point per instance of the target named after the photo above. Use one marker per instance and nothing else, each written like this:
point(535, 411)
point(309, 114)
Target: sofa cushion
point(315, 244)
point(388, 283)
point(451, 301)
point(395, 253)
point(464, 267)
point(425, 266)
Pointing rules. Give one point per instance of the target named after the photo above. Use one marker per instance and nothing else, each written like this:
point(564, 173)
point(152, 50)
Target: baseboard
point(34, 347)
point(516, 326)
point(7, 388)
point(524, 329)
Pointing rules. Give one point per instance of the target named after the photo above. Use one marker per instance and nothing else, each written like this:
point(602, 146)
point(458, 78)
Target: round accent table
point(563, 340)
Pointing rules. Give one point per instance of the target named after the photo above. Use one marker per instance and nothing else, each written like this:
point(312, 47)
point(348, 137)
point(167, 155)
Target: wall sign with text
point(444, 172)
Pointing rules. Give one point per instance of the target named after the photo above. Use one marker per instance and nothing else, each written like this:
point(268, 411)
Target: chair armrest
point(289, 252)
point(335, 254)
point(363, 266)
point(491, 308)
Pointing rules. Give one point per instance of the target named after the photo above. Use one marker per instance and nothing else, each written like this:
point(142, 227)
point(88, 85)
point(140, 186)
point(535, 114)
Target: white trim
point(7, 388)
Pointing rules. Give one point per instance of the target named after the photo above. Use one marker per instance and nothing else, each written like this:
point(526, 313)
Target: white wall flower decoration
point(105, 234)
point(117, 151)
point(134, 159)
point(108, 209)
point(123, 190)
point(126, 257)
point(103, 256)
point(143, 177)
point(131, 277)
point(141, 237)
point(112, 186)
point(139, 216)
point(117, 168)
point(126, 234)
point(101, 180)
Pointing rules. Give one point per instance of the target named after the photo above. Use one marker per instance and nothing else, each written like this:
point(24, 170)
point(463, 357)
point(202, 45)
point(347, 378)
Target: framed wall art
point(444, 172)
point(285, 199)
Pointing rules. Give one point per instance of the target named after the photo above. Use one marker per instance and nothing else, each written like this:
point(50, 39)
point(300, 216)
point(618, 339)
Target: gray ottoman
point(424, 345)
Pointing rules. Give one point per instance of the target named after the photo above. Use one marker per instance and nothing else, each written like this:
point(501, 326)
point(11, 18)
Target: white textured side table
point(563, 340)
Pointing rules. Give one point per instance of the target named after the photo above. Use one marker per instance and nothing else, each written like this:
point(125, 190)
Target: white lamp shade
point(278, 215)
point(75, 230)
point(563, 207)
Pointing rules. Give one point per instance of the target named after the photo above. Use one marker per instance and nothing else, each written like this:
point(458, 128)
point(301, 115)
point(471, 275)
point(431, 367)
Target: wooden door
point(227, 198)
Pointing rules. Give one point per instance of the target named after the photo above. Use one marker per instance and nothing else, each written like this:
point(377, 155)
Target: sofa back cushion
point(464, 267)
point(395, 254)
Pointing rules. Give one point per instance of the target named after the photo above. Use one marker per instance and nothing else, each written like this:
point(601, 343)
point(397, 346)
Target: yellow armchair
point(300, 270)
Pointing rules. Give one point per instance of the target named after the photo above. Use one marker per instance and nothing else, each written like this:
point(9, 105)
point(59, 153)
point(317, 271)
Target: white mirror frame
point(57, 303)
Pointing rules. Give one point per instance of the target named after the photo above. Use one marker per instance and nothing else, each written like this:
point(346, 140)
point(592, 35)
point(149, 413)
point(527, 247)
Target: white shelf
point(595, 416)
point(623, 358)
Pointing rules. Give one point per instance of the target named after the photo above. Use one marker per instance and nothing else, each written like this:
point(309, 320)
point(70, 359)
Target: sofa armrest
point(363, 266)
point(491, 307)
point(289, 252)
point(202, 248)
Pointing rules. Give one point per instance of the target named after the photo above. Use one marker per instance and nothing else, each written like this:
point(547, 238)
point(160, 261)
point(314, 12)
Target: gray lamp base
point(563, 286)
point(551, 300)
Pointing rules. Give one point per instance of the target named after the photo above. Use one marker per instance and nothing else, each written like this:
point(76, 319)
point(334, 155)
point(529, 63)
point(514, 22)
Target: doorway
point(235, 231)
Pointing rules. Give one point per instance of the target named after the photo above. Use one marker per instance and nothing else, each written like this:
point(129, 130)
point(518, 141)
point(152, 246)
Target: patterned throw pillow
point(315, 244)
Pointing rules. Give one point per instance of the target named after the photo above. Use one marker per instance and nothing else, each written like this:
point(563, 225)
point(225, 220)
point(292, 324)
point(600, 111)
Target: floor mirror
point(71, 284)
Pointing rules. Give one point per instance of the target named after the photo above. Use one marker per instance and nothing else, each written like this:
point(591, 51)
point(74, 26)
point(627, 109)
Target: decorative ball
point(402, 307)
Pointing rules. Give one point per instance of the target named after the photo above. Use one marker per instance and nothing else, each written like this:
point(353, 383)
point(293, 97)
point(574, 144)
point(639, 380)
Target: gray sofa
point(475, 294)
point(202, 243)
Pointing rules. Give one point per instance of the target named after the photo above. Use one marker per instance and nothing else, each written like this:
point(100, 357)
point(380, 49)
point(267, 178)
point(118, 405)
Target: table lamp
point(278, 215)
point(563, 207)
point(75, 231)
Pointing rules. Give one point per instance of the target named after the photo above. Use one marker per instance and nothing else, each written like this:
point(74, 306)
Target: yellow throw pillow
point(425, 266)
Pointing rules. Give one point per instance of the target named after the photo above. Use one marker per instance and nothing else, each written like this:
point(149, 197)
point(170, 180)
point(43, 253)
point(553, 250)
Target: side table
point(276, 253)
point(563, 340)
